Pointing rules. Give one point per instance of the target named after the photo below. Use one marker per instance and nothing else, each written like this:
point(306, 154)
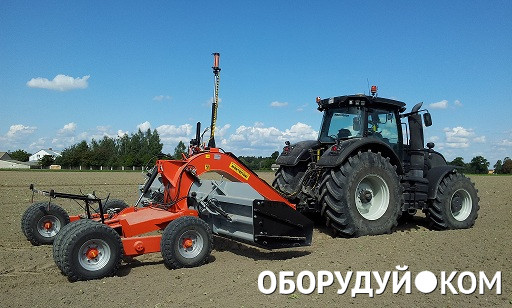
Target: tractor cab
point(359, 116)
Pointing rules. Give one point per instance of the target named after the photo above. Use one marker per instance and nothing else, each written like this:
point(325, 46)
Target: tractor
point(360, 176)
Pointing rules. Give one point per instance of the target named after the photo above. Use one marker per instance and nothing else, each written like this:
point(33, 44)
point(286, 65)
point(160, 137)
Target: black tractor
point(368, 168)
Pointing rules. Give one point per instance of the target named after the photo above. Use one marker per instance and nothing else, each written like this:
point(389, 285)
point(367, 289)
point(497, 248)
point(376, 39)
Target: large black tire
point(42, 222)
point(60, 238)
point(186, 242)
point(362, 197)
point(91, 250)
point(456, 204)
point(287, 181)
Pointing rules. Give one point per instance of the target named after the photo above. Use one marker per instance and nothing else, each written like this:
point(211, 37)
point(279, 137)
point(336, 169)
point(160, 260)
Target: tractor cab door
point(385, 125)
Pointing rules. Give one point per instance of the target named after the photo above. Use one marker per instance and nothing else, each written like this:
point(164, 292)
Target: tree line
point(129, 150)
point(142, 148)
point(480, 165)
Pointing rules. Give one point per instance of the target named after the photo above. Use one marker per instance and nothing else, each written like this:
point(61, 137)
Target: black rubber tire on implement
point(60, 238)
point(287, 179)
point(114, 204)
point(91, 250)
point(347, 210)
point(456, 204)
point(174, 248)
point(34, 219)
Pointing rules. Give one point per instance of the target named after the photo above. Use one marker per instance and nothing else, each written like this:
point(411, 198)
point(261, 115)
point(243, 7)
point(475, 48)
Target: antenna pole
point(215, 103)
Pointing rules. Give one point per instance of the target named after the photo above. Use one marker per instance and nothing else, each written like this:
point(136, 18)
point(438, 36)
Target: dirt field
point(29, 277)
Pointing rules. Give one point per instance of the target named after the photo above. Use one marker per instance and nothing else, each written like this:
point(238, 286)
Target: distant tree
point(458, 161)
point(179, 150)
point(46, 161)
point(20, 155)
point(498, 167)
point(275, 155)
point(478, 165)
point(507, 166)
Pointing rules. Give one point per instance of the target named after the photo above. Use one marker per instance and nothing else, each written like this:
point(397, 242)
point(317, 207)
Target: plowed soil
point(29, 277)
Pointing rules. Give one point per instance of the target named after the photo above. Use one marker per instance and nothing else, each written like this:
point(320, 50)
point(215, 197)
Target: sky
point(78, 70)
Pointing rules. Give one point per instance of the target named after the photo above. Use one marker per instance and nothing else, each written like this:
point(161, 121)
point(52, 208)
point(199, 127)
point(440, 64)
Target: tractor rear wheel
point(361, 197)
point(456, 204)
point(42, 221)
point(186, 242)
point(91, 250)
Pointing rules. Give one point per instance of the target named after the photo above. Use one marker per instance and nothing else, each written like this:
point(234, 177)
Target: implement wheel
point(186, 242)
point(41, 222)
point(115, 205)
point(60, 238)
point(90, 250)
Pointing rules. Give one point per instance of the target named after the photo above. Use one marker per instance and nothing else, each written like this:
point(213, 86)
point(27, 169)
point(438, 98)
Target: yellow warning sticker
point(207, 155)
point(207, 167)
point(239, 170)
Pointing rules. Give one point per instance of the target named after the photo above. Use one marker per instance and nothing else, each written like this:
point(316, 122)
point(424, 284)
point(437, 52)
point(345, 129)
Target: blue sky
point(74, 70)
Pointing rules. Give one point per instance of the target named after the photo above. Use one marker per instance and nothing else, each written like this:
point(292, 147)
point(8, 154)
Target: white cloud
point(505, 142)
point(39, 144)
point(439, 105)
point(160, 98)
point(144, 126)
point(121, 133)
point(460, 137)
point(59, 83)
point(18, 130)
point(68, 129)
point(433, 139)
point(458, 103)
point(260, 140)
point(480, 139)
point(278, 104)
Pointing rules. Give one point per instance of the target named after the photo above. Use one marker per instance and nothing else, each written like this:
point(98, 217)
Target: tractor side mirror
point(427, 119)
point(356, 124)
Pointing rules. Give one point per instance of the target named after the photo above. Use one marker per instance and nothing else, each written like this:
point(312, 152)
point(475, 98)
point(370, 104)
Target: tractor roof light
point(373, 90)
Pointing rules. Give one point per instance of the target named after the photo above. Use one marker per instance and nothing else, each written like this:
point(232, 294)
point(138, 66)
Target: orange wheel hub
point(187, 243)
point(48, 225)
point(92, 253)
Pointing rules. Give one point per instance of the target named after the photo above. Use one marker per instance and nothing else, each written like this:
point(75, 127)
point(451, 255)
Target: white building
point(6, 162)
point(41, 153)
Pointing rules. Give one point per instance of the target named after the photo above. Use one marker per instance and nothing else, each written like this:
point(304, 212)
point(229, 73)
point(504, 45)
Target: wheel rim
point(94, 254)
point(460, 205)
point(372, 197)
point(48, 226)
point(190, 244)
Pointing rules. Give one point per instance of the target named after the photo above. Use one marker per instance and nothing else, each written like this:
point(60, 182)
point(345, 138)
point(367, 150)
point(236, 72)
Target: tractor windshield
point(341, 123)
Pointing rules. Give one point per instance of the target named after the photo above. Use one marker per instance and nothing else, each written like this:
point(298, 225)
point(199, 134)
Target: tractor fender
point(435, 176)
point(333, 158)
point(298, 152)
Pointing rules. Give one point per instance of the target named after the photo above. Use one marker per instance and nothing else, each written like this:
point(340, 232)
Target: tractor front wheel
point(186, 242)
point(361, 197)
point(42, 221)
point(456, 204)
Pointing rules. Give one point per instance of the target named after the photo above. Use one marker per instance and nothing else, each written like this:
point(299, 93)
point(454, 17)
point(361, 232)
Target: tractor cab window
point(341, 123)
point(382, 124)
